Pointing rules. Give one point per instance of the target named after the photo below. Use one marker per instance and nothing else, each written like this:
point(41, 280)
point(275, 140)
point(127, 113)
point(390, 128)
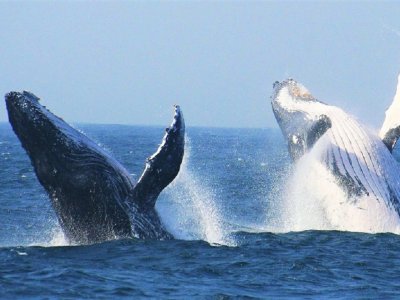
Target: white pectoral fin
point(390, 131)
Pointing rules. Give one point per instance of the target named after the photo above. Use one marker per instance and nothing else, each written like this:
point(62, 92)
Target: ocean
point(238, 233)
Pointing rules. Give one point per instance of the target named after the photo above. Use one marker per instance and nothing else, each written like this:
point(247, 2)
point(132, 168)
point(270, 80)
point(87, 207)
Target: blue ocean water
point(224, 210)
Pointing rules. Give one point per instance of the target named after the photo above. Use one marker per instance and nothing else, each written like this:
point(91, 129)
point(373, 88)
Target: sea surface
point(225, 210)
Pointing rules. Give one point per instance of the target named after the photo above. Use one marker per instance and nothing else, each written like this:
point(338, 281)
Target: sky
point(129, 62)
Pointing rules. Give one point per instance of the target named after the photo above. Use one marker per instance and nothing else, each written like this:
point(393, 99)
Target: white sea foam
point(58, 238)
point(53, 237)
point(192, 212)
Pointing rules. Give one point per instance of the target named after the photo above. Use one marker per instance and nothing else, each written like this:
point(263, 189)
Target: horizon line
point(156, 125)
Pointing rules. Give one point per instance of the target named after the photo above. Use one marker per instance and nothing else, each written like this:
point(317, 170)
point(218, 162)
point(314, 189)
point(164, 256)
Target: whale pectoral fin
point(163, 166)
point(302, 142)
point(390, 138)
point(318, 129)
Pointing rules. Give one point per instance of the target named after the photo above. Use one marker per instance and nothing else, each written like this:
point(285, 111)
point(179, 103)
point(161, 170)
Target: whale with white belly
point(354, 170)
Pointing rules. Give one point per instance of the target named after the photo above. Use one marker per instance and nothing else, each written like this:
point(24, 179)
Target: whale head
point(35, 126)
point(43, 135)
point(25, 114)
point(301, 117)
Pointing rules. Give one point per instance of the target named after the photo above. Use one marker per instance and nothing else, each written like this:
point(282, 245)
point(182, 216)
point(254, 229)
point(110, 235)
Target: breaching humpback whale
point(359, 161)
point(93, 195)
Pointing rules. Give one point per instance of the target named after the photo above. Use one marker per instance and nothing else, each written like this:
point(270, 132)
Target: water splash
point(313, 200)
point(52, 237)
point(58, 238)
point(192, 212)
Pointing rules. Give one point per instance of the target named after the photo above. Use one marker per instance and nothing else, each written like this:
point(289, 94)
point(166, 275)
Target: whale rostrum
point(93, 195)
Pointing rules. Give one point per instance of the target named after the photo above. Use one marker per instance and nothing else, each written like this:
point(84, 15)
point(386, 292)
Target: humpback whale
point(93, 195)
point(359, 161)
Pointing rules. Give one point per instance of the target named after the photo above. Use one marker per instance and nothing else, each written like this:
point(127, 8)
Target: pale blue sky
point(129, 62)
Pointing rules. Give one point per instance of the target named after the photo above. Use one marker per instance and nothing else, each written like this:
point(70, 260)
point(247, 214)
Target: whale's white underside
point(350, 170)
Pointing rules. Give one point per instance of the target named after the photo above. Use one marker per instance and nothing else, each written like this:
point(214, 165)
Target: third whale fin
point(163, 166)
point(390, 131)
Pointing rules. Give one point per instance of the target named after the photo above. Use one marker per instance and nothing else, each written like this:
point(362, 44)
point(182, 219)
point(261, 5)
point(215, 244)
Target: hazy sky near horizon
point(129, 62)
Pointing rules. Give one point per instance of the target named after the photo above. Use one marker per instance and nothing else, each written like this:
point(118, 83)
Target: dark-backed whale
point(363, 175)
point(93, 195)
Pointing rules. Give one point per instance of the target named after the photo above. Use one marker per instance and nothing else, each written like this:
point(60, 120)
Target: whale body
point(359, 161)
point(93, 195)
